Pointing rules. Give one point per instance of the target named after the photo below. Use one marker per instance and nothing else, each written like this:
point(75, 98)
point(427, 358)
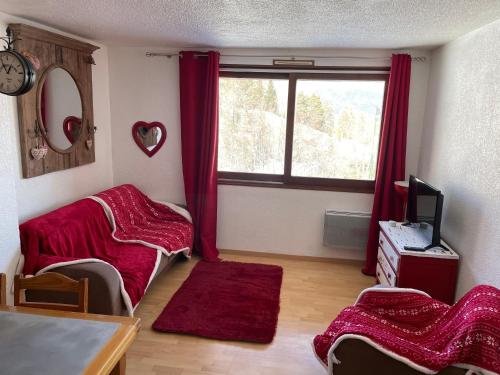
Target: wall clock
point(17, 74)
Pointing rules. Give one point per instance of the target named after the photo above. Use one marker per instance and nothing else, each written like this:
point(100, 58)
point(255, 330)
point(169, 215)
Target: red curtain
point(199, 98)
point(392, 155)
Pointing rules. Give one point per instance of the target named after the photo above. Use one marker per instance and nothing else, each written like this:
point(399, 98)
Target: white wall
point(460, 150)
point(9, 233)
point(26, 198)
point(258, 219)
point(146, 89)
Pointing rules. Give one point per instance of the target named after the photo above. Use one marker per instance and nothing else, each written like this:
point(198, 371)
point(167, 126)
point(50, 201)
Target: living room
point(268, 135)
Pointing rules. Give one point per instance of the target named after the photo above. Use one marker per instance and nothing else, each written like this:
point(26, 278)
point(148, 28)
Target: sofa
point(105, 296)
point(119, 239)
point(405, 331)
point(356, 357)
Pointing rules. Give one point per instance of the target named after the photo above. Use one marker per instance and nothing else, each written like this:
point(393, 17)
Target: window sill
point(351, 186)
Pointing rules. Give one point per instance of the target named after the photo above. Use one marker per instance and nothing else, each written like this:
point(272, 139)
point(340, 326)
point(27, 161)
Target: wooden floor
point(312, 294)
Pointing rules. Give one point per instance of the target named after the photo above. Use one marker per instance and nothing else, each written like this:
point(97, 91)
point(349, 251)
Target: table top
point(50, 341)
point(401, 236)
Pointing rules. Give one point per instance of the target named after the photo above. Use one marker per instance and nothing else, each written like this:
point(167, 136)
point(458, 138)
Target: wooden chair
point(3, 289)
point(51, 282)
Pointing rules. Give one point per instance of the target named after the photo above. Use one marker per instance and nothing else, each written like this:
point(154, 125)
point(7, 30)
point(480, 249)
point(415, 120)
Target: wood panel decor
point(41, 110)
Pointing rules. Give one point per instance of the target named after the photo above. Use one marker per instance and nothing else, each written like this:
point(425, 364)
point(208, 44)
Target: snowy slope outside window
point(336, 126)
point(252, 125)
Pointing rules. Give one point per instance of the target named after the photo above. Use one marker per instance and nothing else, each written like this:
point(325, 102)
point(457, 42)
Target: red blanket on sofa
point(136, 218)
point(424, 333)
point(83, 232)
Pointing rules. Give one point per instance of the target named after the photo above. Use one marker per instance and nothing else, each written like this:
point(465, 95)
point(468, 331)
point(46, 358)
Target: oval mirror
point(60, 109)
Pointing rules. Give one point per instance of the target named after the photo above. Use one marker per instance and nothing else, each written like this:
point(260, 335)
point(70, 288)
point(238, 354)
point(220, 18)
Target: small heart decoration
point(39, 152)
point(89, 143)
point(149, 136)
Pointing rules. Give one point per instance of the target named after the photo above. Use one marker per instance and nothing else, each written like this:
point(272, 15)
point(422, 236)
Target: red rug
point(226, 301)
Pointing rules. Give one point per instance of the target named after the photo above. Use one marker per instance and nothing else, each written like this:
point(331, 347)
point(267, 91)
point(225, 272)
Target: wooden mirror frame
point(54, 50)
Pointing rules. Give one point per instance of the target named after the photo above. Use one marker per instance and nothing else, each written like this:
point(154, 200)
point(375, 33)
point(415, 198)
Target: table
point(59, 342)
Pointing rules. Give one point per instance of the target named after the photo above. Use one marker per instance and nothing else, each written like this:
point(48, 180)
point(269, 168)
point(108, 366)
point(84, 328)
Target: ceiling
point(394, 24)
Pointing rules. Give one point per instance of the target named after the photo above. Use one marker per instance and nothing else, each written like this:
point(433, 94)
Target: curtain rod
point(170, 55)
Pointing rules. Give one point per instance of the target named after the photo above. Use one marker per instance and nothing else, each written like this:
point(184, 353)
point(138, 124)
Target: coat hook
point(35, 132)
point(91, 129)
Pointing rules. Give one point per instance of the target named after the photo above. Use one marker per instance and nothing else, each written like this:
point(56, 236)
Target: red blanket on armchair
point(120, 226)
point(424, 333)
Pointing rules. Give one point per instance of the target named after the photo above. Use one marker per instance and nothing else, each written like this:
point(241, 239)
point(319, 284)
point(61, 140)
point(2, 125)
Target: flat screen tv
point(424, 207)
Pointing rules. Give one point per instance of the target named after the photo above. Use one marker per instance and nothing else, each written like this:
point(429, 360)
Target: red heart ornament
point(72, 127)
point(146, 136)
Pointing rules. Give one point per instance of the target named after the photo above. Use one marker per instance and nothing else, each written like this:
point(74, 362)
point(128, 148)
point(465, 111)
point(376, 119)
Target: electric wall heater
point(346, 229)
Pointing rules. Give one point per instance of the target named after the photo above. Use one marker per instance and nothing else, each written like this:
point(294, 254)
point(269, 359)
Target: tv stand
point(406, 260)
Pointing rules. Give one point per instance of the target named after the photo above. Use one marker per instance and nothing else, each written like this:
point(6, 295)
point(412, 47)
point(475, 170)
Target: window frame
point(286, 180)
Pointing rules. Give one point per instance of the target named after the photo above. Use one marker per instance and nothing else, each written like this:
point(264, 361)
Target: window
point(252, 124)
point(300, 130)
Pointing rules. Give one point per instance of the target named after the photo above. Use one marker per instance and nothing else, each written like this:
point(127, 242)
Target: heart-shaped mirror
point(149, 136)
point(72, 127)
